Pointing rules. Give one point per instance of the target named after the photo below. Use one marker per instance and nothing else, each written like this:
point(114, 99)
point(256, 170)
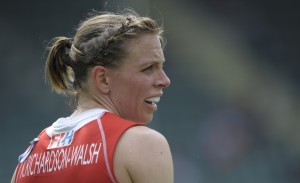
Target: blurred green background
point(232, 112)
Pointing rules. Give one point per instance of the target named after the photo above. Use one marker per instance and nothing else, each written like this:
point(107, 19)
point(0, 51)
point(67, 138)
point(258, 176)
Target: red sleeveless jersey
point(74, 149)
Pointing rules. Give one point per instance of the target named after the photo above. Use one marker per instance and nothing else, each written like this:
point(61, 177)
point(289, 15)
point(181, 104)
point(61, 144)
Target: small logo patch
point(61, 139)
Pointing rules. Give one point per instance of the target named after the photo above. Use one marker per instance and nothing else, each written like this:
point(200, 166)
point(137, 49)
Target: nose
point(163, 80)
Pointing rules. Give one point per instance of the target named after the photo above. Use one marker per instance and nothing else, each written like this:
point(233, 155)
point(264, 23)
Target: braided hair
point(99, 40)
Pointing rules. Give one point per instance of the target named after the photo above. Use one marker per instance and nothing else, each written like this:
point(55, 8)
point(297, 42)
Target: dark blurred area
point(232, 111)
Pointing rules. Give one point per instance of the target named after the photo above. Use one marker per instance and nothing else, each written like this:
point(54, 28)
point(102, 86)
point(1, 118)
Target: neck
point(88, 101)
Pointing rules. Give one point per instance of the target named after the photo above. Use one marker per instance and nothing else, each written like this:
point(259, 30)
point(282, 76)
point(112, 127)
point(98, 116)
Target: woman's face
point(137, 85)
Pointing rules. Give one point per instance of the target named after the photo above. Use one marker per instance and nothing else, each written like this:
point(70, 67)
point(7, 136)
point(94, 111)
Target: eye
point(148, 69)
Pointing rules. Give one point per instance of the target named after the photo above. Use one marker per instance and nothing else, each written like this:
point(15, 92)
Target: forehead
point(145, 48)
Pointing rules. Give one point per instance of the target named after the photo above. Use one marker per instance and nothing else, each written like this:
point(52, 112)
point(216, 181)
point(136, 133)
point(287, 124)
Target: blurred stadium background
point(232, 111)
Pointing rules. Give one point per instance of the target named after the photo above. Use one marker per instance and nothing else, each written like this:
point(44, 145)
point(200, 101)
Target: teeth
point(154, 99)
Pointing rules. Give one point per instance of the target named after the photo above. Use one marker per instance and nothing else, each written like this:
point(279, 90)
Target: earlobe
point(99, 78)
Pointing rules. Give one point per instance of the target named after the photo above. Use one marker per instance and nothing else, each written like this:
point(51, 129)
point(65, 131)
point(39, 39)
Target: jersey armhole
point(119, 126)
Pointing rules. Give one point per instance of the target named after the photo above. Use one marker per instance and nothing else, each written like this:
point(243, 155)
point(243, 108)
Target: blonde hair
point(98, 40)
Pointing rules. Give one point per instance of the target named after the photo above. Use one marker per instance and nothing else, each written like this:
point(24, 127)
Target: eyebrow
point(153, 62)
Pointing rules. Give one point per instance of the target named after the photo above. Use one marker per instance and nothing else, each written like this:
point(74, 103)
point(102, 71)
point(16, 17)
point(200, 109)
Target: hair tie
point(69, 42)
point(67, 59)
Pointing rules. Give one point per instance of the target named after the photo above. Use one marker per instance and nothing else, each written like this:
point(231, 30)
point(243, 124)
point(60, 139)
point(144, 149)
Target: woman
point(113, 69)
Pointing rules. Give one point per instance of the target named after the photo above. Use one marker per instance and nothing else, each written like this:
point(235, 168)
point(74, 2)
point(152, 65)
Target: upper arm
point(145, 155)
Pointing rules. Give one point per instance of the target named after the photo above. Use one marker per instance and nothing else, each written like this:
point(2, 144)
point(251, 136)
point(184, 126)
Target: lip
point(153, 96)
point(153, 105)
point(157, 95)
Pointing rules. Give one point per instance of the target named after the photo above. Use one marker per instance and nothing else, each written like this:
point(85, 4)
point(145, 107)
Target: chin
point(145, 120)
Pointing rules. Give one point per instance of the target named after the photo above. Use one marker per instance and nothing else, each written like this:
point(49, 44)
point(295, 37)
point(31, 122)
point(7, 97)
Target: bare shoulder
point(145, 135)
point(145, 154)
point(144, 141)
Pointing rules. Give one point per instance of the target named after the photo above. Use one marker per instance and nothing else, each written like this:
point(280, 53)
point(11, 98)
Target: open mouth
point(152, 100)
point(149, 102)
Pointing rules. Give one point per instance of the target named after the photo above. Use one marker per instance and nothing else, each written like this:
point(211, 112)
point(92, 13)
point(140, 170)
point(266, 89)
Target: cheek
point(129, 91)
point(132, 97)
point(134, 93)
point(125, 92)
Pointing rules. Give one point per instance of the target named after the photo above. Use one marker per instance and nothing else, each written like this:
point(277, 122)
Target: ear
point(100, 79)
